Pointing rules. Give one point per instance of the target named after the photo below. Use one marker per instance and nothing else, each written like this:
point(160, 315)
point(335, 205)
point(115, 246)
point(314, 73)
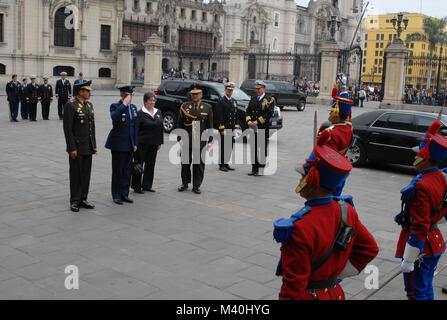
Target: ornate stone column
point(46, 27)
point(83, 8)
point(237, 62)
point(124, 61)
point(396, 57)
point(153, 56)
point(329, 59)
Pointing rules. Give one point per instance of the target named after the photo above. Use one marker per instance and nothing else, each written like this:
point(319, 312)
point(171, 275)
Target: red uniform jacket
point(312, 238)
point(341, 136)
point(429, 193)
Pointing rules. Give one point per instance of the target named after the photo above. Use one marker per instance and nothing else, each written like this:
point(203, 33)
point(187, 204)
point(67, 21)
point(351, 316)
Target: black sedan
point(388, 136)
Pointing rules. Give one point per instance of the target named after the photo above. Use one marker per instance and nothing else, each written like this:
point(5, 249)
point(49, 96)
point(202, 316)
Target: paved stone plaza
point(170, 245)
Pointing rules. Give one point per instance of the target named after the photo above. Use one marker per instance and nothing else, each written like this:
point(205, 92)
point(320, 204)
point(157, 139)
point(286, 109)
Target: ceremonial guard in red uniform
point(340, 132)
point(325, 241)
point(420, 242)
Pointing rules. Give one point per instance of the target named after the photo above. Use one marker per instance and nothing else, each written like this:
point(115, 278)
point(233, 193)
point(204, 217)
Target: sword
point(440, 113)
point(315, 128)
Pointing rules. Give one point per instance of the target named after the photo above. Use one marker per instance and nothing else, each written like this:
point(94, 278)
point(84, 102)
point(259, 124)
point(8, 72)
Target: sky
point(434, 8)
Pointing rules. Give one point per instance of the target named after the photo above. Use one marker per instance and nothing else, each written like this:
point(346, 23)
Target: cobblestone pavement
point(169, 245)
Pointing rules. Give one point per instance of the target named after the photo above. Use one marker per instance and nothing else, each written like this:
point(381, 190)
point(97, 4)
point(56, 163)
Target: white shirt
point(148, 112)
point(229, 98)
point(261, 97)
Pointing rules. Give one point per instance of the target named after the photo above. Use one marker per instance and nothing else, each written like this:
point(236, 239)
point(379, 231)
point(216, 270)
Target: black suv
point(284, 92)
point(172, 93)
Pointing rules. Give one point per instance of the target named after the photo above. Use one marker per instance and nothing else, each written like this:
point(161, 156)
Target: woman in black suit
point(150, 138)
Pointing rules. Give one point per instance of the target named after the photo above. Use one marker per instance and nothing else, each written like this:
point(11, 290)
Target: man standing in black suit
point(32, 98)
point(24, 112)
point(259, 111)
point(226, 112)
point(13, 89)
point(63, 93)
point(46, 96)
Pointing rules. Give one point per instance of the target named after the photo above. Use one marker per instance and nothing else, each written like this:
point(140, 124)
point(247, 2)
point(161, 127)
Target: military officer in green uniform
point(79, 130)
point(194, 117)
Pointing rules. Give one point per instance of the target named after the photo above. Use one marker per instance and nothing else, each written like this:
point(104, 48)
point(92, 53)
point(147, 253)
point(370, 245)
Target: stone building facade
point(35, 39)
point(41, 37)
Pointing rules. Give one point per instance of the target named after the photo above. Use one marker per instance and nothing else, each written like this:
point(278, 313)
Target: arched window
point(215, 43)
point(104, 73)
point(59, 69)
point(166, 34)
point(254, 20)
point(63, 36)
point(275, 44)
point(2, 68)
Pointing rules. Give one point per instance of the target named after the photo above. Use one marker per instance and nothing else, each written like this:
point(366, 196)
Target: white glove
point(407, 267)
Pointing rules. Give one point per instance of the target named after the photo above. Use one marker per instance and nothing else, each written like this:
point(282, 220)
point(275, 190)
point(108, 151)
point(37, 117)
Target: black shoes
point(196, 190)
point(74, 207)
point(149, 189)
point(84, 204)
point(126, 199)
point(230, 168)
point(138, 191)
point(183, 187)
point(118, 201)
point(253, 173)
point(223, 168)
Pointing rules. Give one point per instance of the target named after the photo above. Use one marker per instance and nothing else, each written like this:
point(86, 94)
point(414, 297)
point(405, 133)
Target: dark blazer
point(79, 127)
point(150, 130)
point(63, 91)
point(226, 113)
point(32, 93)
point(124, 134)
point(261, 111)
point(13, 91)
point(46, 93)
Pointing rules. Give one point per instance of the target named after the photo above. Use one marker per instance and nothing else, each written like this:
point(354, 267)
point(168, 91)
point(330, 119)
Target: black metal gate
point(348, 61)
point(283, 66)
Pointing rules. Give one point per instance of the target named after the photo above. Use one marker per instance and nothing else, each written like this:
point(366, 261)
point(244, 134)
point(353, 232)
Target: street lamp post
point(397, 25)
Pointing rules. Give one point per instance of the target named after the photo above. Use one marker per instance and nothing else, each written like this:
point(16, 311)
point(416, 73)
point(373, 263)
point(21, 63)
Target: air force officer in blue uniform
point(123, 141)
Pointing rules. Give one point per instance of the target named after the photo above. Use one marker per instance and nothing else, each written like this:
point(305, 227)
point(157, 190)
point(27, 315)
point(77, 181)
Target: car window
point(171, 87)
point(248, 84)
point(270, 86)
point(382, 122)
point(183, 89)
point(207, 92)
point(401, 121)
point(423, 123)
point(238, 94)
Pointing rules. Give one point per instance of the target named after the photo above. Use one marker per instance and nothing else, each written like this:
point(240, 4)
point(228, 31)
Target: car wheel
point(357, 154)
point(301, 106)
point(169, 120)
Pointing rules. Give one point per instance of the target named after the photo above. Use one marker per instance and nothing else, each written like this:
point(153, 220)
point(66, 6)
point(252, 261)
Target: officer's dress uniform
point(63, 94)
point(227, 119)
point(32, 98)
point(24, 110)
point(260, 109)
point(13, 91)
point(310, 233)
point(121, 141)
point(420, 241)
point(46, 95)
point(200, 113)
point(80, 135)
point(76, 82)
